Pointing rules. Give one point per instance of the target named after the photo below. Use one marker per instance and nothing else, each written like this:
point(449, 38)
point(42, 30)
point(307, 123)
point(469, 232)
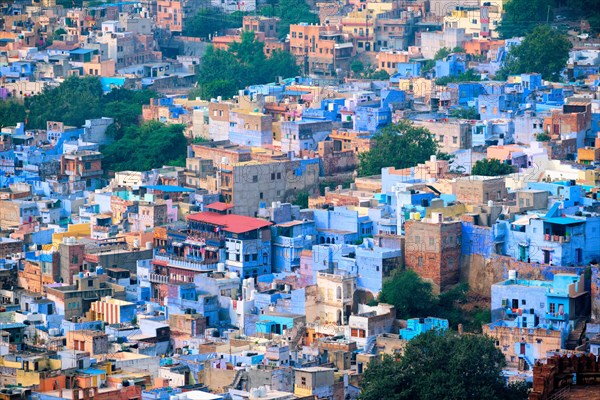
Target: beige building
point(333, 303)
point(479, 189)
point(451, 135)
point(94, 342)
point(247, 185)
point(314, 381)
point(513, 341)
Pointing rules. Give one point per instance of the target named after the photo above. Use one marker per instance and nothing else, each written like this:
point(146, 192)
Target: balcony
point(156, 278)
point(180, 262)
point(556, 238)
point(557, 317)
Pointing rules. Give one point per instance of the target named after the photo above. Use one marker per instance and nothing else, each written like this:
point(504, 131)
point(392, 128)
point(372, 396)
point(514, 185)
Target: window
point(523, 302)
point(254, 178)
point(272, 176)
point(417, 239)
point(454, 140)
point(247, 257)
point(90, 283)
point(431, 241)
point(552, 308)
point(261, 195)
point(303, 381)
point(420, 261)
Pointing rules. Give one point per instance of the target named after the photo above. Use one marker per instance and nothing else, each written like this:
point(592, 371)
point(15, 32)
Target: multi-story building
point(172, 15)
point(322, 50)
point(83, 169)
point(75, 300)
point(480, 20)
point(433, 249)
point(479, 189)
point(450, 135)
point(251, 185)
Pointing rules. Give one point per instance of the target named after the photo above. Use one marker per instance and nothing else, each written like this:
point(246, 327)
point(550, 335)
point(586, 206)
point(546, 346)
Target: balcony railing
point(557, 238)
point(189, 264)
point(557, 316)
point(156, 278)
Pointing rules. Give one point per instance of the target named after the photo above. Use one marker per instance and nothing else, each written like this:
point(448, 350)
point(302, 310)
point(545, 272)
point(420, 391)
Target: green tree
point(357, 67)
point(464, 113)
point(281, 64)
point(440, 366)
point(11, 112)
point(150, 145)
point(399, 145)
point(468, 76)
point(542, 137)
point(224, 72)
point(72, 102)
point(302, 199)
point(210, 21)
point(58, 33)
point(290, 12)
point(522, 16)
point(402, 289)
point(379, 75)
point(544, 50)
point(491, 167)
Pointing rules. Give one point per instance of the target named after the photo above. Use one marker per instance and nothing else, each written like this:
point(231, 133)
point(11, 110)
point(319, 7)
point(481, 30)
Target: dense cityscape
point(298, 199)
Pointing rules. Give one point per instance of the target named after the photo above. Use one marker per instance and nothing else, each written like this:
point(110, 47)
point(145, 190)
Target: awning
point(564, 221)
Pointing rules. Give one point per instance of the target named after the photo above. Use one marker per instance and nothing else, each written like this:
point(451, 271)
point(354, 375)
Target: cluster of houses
point(254, 271)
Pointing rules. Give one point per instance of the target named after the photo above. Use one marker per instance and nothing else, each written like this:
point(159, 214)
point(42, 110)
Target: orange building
point(388, 61)
point(322, 49)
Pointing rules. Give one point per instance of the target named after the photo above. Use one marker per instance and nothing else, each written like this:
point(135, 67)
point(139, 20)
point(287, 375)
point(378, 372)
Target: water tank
point(81, 275)
point(490, 203)
point(233, 275)
point(148, 245)
point(99, 270)
point(274, 204)
point(278, 204)
point(136, 243)
point(417, 216)
point(411, 216)
point(512, 274)
point(221, 267)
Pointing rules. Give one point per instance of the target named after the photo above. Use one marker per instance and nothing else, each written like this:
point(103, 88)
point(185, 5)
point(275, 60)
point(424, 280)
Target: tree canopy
point(210, 21)
point(441, 366)
point(468, 76)
point(290, 12)
point(522, 16)
point(224, 72)
point(403, 287)
point(544, 51)
point(11, 112)
point(135, 147)
point(147, 146)
point(399, 145)
point(402, 290)
point(464, 113)
point(78, 99)
point(491, 167)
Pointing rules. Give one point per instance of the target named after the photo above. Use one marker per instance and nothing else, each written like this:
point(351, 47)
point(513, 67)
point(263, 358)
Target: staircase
point(370, 345)
point(575, 335)
point(527, 362)
point(237, 379)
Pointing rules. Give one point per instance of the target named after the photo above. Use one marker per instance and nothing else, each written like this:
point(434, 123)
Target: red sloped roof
point(231, 222)
point(219, 206)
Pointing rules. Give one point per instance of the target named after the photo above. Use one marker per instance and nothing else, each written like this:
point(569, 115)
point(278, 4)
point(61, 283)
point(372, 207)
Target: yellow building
point(480, 22)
